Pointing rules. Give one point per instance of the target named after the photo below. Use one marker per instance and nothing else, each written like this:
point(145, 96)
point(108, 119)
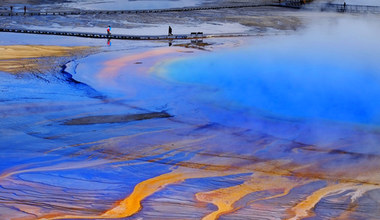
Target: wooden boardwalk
point(194, 35)
point(110, 12)
point(296, 4)
point(287, 4)
point(350, 8)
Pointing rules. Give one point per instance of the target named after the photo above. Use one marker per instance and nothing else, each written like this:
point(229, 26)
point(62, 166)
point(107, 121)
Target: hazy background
point(329, 71)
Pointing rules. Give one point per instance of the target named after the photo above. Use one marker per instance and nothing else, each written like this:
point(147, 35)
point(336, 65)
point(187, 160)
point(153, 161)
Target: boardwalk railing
point(297, 4)
point(198, 35)
point(344, 8)
point(109, 12)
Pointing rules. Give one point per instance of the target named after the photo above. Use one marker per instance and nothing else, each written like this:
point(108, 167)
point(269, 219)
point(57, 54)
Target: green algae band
point(103, 119)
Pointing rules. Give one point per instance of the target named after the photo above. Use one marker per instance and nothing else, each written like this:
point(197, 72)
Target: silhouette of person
point(170, 31)
point(24, 10)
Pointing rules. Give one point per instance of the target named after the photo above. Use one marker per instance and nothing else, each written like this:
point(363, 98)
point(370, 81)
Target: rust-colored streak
point(304, 208)
point(132, 204)
point(225, 198)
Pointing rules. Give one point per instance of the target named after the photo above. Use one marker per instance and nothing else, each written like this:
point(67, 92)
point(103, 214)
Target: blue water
point(323, 74)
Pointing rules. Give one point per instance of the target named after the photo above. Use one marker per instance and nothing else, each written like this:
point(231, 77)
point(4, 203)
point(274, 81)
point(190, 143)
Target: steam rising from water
point(330, 72)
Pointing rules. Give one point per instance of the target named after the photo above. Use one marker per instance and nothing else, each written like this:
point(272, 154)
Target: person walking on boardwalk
point(24, 10)
point(109, 30)
point(170, 31)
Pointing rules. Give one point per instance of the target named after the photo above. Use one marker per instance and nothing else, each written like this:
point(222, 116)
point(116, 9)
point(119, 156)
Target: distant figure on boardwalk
point(344, 5)
point(109, 30)
point(24, 10)
point(170, 31)
point(11, 8)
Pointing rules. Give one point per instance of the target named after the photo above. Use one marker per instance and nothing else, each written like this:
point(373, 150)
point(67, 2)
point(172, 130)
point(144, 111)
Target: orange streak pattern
point(132, 204)
point(225, 198)
point(303, 209)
